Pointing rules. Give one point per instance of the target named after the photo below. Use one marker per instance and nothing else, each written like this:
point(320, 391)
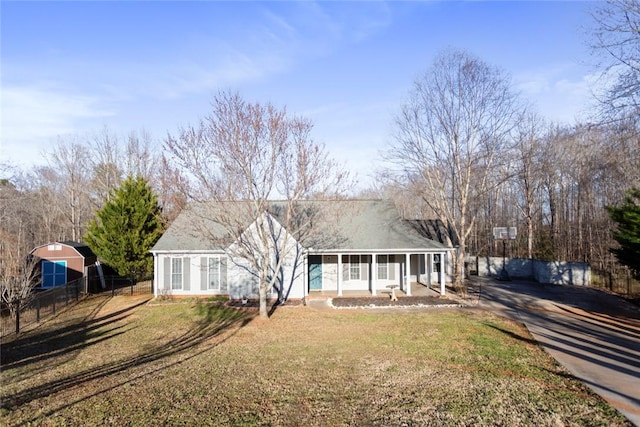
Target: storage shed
point(63, 262)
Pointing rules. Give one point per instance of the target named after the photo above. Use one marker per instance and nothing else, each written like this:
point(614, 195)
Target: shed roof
point(337, 225)
point(82, 249)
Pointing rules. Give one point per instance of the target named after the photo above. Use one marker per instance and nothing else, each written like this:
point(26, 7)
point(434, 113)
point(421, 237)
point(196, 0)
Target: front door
point(315, 272)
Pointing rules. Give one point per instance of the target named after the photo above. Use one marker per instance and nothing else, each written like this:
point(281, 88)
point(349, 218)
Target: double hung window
point(354, 267)
point(213, 273)
point(176, 273)
point(383, 267)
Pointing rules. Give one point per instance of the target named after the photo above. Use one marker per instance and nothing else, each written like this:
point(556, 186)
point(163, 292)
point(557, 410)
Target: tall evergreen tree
point(125, 229)
point(627, 218)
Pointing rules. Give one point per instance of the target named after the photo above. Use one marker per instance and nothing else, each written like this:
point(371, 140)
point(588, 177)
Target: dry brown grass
point(110, 362)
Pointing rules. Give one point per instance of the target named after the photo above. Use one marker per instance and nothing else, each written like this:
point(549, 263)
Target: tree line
point(56, 201)
point(554, 183)
point(466, 150)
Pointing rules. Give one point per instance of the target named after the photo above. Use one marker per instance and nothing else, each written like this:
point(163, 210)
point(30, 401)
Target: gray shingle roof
point(338, 225)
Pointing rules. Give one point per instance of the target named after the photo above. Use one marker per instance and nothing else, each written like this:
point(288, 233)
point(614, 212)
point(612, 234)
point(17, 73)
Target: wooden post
point(17, 317)
point(610, 281)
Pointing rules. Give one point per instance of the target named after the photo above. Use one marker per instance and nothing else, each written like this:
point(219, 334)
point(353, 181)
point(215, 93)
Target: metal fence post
point(37, 309)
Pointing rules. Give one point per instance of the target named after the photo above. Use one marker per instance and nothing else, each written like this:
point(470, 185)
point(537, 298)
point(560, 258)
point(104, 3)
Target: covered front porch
point(376, 273)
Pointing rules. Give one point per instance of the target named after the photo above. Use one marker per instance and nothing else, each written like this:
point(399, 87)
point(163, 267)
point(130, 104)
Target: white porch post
point(424, 265)
point(339, 274)
point(443, 271)
point(156, 275)
point(305, 274)
point(429, 267)
point(407, 261)
point(374, 273)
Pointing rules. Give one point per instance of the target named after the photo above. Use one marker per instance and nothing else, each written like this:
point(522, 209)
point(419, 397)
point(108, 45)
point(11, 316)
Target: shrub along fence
point(41, 305)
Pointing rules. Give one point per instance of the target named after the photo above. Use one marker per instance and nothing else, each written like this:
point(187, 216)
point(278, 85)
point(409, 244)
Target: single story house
point(362, 246)
point(62, 262)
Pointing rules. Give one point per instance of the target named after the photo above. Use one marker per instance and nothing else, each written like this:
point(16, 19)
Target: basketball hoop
point(504, 234)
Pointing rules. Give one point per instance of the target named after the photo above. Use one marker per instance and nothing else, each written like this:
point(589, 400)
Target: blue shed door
point(54, 273)
point(315, 272)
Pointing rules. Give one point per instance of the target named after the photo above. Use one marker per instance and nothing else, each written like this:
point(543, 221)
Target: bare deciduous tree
point(139, 157)
point(616, 38)
point(240, 158)
point(528, 176)
point(18, 278)
point(452, 136)
point(71, 161)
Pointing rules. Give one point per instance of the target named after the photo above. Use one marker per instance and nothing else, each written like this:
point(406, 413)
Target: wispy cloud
point(560, 93)
point(275, 44)
point(33, 115)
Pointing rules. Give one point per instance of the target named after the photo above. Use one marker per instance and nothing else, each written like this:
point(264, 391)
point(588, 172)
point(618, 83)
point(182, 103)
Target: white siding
point(330, 273)
point(191, 275)
point(291, 280)
point(244, 284)
point(393, 274)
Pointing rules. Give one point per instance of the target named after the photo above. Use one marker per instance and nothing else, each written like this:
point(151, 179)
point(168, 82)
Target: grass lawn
point(108, 361)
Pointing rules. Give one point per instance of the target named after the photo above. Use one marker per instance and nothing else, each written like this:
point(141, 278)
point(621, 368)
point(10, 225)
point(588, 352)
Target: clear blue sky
point(75, 67)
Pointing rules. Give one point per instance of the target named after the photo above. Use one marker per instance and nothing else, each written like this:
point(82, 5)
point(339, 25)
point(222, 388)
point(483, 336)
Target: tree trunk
point(530, 236)
point(17, 314)
point(264, 313)
point(460, 273)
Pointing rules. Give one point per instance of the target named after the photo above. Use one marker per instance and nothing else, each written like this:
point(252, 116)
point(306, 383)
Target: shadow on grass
point(35, 347)
point(214, 320)
point(513, 335)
